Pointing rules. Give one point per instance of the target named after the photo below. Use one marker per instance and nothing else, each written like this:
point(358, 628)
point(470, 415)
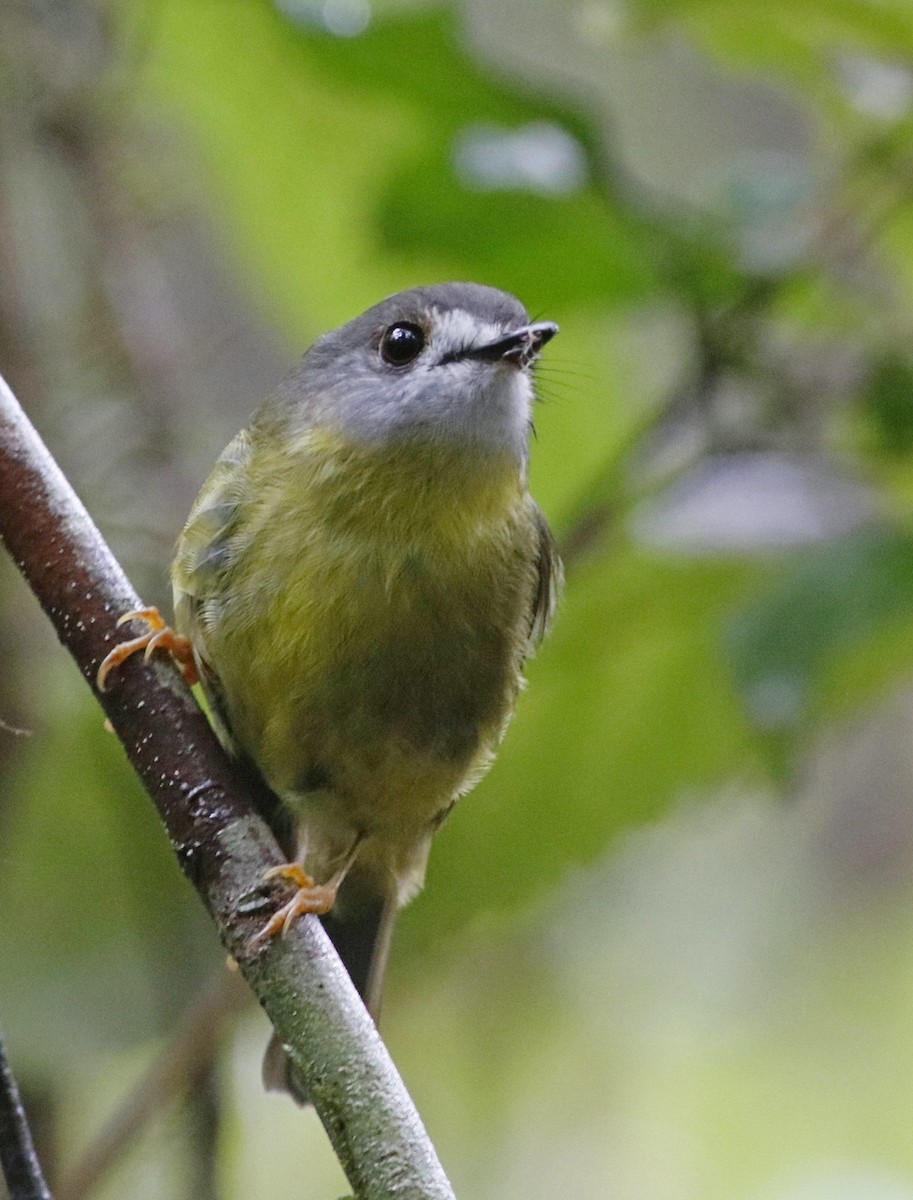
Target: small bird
point(358, 586)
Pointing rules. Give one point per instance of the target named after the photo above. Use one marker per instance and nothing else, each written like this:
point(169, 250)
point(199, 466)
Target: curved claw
point(160, 636)
point(311, 897)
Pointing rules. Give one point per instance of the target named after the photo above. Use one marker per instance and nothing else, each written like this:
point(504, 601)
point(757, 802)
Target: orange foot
point(311, 897)
point(160, 637)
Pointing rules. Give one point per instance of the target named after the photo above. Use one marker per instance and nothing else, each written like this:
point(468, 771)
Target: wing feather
point(548, 584)
point(203, 556)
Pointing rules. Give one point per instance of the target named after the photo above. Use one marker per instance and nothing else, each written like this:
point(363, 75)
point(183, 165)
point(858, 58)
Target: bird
point(357, 589)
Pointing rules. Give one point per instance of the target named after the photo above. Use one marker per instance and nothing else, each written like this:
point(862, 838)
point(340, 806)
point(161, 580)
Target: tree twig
point(222, 845)
point(21, 1168)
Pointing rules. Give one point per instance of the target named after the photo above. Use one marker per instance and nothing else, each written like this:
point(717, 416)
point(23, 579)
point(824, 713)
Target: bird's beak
point(520, 346)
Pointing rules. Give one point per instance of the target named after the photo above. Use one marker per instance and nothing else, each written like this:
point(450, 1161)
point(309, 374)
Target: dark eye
point(401, 343)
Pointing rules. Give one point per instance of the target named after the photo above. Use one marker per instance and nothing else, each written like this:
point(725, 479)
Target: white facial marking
point(457, 328)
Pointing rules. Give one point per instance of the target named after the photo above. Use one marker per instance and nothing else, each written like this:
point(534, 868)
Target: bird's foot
point(310, 897)
point(160, 636)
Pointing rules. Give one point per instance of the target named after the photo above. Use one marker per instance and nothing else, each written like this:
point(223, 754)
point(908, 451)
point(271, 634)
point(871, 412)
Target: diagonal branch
point(18, 1159)
point(222, 845)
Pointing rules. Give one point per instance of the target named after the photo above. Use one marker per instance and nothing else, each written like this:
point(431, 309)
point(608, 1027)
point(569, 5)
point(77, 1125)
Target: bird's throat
point(411, 489)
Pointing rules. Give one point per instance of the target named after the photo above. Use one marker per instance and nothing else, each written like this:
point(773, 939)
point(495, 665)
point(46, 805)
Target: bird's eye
point(401, 343)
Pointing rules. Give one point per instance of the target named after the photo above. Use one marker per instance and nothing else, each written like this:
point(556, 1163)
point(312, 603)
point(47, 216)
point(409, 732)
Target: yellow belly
point(385, 692)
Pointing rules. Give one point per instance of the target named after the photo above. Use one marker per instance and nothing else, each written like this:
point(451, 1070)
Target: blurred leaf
point(794, 37)
point(835, 627)
point(577, 246)
point(887, 400)
point(295, 158)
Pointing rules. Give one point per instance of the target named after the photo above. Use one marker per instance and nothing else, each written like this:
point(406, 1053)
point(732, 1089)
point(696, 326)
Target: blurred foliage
point(798, 40)
point(191, 191)
point(792, 647)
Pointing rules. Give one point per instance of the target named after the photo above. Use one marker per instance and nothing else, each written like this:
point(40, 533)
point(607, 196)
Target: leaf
point(886, 400)
point(836, 625)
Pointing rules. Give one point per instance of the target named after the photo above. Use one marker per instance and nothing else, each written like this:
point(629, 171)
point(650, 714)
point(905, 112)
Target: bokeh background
point(666, 949)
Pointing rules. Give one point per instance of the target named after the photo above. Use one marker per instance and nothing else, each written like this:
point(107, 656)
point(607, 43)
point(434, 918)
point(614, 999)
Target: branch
point(21, 1168)
point(223, 846)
